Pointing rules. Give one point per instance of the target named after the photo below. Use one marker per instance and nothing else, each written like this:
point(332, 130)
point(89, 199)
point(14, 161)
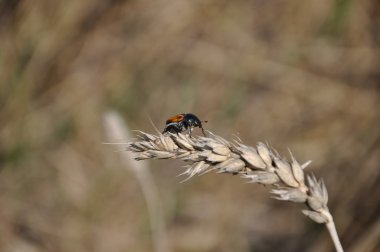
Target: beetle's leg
point(203, 131)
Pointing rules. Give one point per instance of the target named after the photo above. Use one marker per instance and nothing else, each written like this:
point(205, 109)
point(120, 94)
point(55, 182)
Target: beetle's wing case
point(175, 119)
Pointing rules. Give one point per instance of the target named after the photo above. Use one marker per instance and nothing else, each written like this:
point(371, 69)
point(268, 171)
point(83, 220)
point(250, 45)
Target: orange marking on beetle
point(176, 118)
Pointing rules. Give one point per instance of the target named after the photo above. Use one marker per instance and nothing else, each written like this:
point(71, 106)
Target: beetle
point(181, 122)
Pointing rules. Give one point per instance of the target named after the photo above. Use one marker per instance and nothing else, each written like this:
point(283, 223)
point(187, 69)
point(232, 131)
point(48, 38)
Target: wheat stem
point(330, 225)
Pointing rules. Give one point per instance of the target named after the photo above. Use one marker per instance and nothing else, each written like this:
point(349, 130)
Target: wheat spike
point(262, 165)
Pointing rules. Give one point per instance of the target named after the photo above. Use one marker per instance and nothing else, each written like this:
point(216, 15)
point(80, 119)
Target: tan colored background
point(303, 75)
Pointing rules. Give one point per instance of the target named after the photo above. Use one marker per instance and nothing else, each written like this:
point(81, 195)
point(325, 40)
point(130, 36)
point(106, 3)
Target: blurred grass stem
point(117, 130)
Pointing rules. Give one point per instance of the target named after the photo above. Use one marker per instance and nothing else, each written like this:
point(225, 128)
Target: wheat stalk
point(262, 165)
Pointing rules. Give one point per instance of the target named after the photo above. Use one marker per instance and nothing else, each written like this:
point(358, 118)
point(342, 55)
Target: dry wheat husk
point(262, 165)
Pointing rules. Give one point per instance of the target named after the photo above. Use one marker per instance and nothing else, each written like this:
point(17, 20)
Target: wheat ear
point(262, 165)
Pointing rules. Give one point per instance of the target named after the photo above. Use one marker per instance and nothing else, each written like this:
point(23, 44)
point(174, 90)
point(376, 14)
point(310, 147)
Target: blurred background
point(303, 75)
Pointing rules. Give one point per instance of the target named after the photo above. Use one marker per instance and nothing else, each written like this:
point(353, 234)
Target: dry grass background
point(298, 74)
